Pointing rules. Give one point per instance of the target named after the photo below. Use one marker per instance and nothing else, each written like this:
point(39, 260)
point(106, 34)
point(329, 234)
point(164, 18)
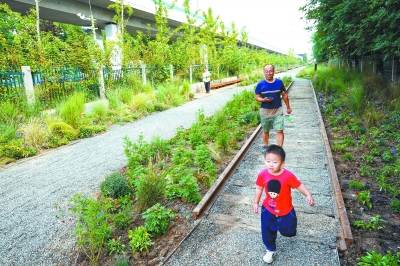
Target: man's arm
point(262, 100)
point(285, 98)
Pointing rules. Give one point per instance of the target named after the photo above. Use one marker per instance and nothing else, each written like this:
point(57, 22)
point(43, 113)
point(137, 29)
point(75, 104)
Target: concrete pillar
point(144, 74)
point(111, 31)
point(28, 82)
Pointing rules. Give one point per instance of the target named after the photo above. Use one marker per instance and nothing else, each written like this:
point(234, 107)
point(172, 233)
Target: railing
point(11, 86)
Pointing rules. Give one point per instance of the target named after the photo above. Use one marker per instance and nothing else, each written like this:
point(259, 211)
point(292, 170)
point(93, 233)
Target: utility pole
point(37, 19)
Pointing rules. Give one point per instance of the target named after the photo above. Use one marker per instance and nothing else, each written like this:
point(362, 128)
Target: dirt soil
point(365, 240)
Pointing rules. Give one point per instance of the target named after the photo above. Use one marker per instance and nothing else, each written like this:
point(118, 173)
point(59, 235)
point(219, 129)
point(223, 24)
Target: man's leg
point(266, 138)
point(280, 137)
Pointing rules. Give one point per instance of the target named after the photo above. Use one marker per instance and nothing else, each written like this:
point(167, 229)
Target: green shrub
point(85, 131)
point(377, 259)
point(395, 205)
point(139, 239)
point(157, 219)
point(122, 220)
point(115, 185)
point(356, 185)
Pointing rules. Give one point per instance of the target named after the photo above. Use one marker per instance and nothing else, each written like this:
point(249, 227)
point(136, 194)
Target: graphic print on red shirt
point(278, 188)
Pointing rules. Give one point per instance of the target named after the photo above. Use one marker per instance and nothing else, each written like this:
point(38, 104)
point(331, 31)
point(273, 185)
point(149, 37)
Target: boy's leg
point(269, 229)
point(288, 224)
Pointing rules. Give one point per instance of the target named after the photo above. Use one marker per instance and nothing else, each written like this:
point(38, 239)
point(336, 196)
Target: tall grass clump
point(113, 100)
point(8, 113)
point(356, 99)
point(71, 110)
point(34, 132)
point(170, 95)
point(185, 89)
point(150, 187)
point(126, 95)
point(143, 103)
point(99, 112)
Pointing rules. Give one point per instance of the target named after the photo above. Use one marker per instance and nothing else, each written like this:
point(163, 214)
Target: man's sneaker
point(264, 150)
point(269, 256)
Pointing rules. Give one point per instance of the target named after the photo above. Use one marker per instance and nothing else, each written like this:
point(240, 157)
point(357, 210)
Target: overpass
point(66, 12)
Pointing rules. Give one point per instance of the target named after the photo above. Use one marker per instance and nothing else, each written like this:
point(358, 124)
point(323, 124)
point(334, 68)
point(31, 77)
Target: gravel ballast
point(230, 233)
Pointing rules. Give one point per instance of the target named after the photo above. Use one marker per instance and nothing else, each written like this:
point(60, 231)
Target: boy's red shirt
point(277, 188)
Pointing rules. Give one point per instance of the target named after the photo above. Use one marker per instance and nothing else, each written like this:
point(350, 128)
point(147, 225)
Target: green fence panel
point(12, 87)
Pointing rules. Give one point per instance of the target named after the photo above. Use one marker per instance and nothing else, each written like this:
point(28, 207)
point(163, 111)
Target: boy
point(277, 211)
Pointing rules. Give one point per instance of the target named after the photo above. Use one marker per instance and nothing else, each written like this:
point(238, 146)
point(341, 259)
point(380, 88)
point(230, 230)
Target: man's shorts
point(275, 122)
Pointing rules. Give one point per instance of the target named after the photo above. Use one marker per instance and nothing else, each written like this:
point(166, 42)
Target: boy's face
point(274, 163)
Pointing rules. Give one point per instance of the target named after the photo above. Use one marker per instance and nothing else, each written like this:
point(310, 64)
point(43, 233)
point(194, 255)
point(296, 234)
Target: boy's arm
point(302, 188)
point(257, 196)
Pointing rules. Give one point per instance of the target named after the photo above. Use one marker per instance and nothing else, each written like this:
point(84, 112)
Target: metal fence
point(55, 85)
point(11, 86)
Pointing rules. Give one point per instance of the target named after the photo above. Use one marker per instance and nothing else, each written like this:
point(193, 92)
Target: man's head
point(269, 71)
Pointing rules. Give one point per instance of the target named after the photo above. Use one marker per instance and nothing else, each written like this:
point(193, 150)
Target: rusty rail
point(212, 194)
point(345, 236)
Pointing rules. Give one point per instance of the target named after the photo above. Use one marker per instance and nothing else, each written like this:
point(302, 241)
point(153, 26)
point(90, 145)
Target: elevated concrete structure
point(66, 12)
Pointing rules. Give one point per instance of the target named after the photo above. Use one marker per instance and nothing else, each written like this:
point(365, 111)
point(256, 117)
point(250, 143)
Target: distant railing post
point(101, 83)
point(171, 71)
point(190, 74)
point(28, 82)
point(144, 74)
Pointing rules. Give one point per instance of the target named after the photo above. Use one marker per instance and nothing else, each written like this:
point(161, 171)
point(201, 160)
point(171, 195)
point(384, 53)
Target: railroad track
point(331, 213)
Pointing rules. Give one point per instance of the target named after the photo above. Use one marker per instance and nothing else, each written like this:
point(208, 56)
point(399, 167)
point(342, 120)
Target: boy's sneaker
point(264, 150)
point(269, 256)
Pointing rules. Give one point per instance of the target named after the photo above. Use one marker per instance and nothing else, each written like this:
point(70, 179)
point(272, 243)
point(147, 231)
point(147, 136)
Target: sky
point(276, 23)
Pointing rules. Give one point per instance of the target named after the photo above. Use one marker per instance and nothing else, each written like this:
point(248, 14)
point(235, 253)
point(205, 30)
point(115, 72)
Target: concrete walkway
point(230, 233)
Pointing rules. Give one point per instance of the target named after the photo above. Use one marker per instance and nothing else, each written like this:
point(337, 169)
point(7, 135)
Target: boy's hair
point(278, 150)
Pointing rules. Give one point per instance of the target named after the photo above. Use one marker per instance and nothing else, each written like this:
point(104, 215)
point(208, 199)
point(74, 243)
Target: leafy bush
point(356, 185)
point(375, 223)
point(85, 131)
point(377, 259)
point(122, 220)
point(395, 205)
point(92, 228)
point(157, 219)
point(115, 185)
point(139, 239)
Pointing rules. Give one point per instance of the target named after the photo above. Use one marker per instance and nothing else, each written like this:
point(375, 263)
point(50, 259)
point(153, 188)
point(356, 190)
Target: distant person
point(206, 79)
point(277, 211)
point(268, 93)
point(315, 64)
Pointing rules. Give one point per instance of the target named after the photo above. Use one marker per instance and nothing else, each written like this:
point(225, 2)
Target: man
point(268, 93)
point(206, 79)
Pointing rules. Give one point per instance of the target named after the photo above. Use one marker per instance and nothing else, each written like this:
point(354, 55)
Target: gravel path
point(29, 232)
point(230, 233)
